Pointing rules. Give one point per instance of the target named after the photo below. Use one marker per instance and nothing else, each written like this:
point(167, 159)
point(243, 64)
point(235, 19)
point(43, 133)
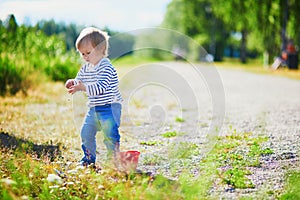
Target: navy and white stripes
point(101, 81)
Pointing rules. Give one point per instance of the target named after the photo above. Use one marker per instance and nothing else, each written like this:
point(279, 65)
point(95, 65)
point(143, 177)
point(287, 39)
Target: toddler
point(99, 80)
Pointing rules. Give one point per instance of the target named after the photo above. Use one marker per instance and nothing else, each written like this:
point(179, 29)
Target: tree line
point(244, 29)
point(262, 26)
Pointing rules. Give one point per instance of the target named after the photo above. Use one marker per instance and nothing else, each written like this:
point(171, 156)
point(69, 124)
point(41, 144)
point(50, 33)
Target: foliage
point(236, 153)
point(179, 119)
point(154, 43)
point(68, 32)
point(120, 44)
point(269, 23)
point(10, 76)
point(169, 134)
point(153, 160)
point(264, 26)
point(293, 26)
point(292, 191)
point(133, 60)
point(183, 150)
point(150, 143)
point(27, 55)
point(45, 50)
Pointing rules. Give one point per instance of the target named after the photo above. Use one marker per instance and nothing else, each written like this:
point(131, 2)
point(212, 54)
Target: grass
point(292, 191)
point(169, 134)
point(256, 66)
point(235, 154)
point(179, 119)
point(153, 160)
point(253, 65)
point(130, 61)
point(184, 150)
point(26, 176)
point(150, 143)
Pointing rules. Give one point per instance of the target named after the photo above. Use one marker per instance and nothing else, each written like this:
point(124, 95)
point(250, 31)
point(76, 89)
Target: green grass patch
point(292, 191)
point(183, 150)
point(179, 119)
point(133, 60)
point(237, 177)
point(150, 143)
point(234, 154)
point(153, 160)
point(169, 134)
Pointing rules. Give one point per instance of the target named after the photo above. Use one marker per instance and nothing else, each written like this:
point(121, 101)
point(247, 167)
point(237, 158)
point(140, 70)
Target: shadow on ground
point(44, 150)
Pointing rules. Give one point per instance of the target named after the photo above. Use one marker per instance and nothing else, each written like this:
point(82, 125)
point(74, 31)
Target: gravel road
point(210, 98)
point(156, 95)
point(270, 105)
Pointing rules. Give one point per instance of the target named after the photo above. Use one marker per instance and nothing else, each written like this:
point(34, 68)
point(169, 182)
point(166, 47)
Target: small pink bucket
point(129, 160)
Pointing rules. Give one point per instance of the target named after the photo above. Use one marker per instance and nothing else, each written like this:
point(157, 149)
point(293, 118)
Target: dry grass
point(256, 66)
point(43, 116)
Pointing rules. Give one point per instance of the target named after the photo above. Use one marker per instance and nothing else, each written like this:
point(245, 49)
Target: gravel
point(208, 100)
point(266, 105)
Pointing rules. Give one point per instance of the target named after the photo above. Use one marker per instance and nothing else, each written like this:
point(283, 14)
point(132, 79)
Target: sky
point(118, 15)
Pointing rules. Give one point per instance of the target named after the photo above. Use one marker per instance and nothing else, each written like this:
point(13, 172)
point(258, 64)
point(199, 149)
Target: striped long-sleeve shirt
point(101, 81)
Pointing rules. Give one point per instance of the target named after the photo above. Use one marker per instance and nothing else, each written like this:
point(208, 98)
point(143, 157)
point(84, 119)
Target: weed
point(237, 177)
point(150, 143)
point(183, 150)
point(169, 134)
point(292, 191)
point(179, 119)
point(153, 160)
point(235, 153)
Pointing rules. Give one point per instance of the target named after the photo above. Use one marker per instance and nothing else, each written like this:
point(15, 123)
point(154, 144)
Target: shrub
point(10, 76)
point(29, 57)
point(62, 70)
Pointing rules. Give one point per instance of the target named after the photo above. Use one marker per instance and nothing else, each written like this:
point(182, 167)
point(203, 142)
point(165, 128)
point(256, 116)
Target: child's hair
point(98, 39)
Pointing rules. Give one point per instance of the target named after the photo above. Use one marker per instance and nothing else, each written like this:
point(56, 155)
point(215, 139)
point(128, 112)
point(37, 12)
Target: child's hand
point(69, 83)
point(79, 87)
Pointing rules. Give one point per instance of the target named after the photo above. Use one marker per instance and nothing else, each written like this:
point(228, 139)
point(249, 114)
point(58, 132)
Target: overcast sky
point(118, 15)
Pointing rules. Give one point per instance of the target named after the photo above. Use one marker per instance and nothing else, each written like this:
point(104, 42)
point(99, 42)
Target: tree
point(196, 19)
point(238, 16)
point(11, 24)
point(293, 27)
point(268, 26)
point(264, 25)
point(71, 32)
point(68, 33)
point(174, 16)
point(11, 27)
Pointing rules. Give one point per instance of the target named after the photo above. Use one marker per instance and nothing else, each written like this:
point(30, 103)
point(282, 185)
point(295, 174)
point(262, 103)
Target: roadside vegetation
point(292, 191)
point(256, 66)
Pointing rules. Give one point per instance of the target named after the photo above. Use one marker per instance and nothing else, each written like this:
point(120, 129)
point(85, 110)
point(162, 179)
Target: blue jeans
point(105, 118)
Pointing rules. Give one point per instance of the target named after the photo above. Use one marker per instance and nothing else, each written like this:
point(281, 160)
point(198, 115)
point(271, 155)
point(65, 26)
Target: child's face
point(89, 53)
